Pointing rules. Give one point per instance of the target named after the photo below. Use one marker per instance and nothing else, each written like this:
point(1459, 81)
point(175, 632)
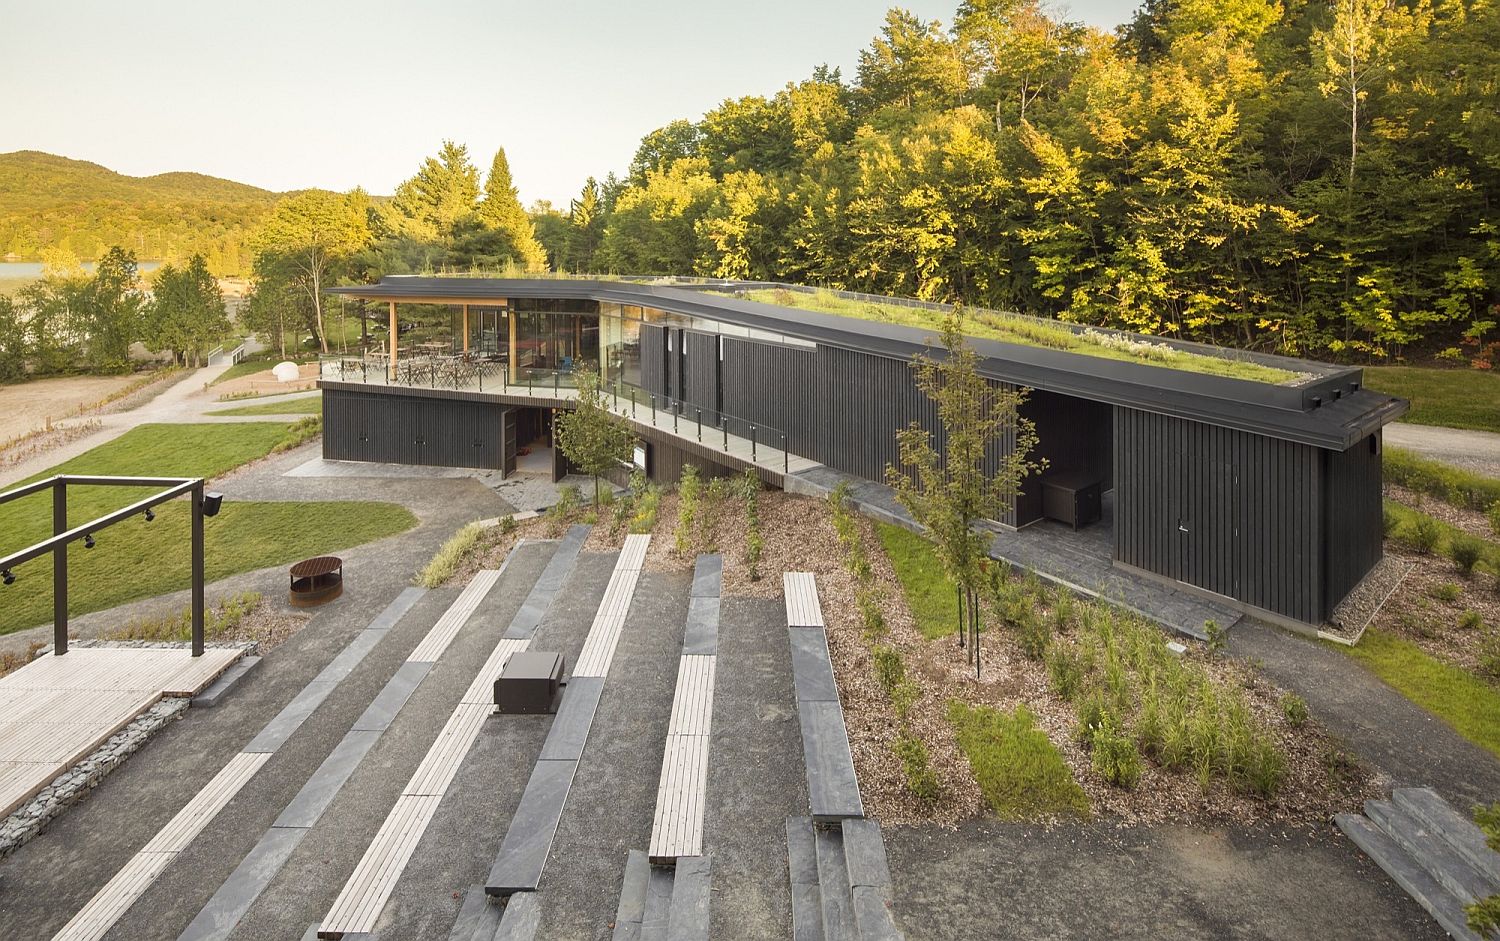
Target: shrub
point(1388, 521)
point(507, 525)
point(1216, 637)
point(1034, 635)
point(1494, 515)
point(647, 503)
point(890, 670)
point(1063, 606)
point(1447, 591)
point(868, 600)
point(1470, 620)
point(1423, 533)
point(1112, 753)
point(1489, 655)
point(1065, 669)
point(1465, 551)
point(921, 780)
point(689, 494)
point(1266, 768)
point(1294, 708)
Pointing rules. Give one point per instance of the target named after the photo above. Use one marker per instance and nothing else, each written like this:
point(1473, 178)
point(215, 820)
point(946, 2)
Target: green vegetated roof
point(1031, 331)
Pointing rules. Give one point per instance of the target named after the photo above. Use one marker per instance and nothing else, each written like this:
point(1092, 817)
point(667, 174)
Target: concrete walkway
point(1477, 451)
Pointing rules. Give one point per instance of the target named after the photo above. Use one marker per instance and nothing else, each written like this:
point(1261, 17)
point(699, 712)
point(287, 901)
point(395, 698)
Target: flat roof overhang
point(1333, 411)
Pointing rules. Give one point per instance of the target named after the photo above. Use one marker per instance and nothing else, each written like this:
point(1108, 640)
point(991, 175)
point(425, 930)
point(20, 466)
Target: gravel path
point(1477, 451)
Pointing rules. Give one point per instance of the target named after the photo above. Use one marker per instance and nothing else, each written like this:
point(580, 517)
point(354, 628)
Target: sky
point(289, 95)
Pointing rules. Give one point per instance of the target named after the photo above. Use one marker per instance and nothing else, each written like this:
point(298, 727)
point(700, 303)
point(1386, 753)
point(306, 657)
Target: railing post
point(786, 460)
point(675, 413)
point(632, 402)
point(752, 443)
point(197, 498)
point(653, 410)
point(726, 433)
point(60, 569)
point(556, 377)
point(700, 424)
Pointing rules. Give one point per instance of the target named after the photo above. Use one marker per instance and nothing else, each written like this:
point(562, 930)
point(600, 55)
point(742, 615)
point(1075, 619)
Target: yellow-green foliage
point(218, 620)
point(445, 562)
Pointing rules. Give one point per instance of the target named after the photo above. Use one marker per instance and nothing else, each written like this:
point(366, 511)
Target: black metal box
point(530, 684)
point(1072, 498)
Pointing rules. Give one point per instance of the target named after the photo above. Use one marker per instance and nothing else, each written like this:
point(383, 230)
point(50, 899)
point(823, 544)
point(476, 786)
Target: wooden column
point(466, 329)
point(393, 341)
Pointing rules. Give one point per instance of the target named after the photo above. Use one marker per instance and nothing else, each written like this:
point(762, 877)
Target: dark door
point(508, 442)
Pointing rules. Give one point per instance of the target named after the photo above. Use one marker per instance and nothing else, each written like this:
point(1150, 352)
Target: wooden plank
point(101, 912)
point(457, 615)
point(802, 607)
point(482, 690)
point(435, 773)
point(359, 904)
point(206, 804)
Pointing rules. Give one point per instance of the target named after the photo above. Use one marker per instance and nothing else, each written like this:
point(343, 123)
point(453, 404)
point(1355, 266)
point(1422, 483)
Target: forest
point(1310, 177)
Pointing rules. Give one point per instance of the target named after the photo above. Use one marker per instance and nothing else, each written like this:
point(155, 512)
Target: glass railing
point(732, 435)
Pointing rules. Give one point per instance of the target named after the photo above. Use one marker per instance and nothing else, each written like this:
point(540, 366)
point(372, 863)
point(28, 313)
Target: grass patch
point(260, 362)
point(1020, 772)
point(311, 405)
point(1031, 331)
point(445, 562)
point(1455, 398)
point(136, 559)
point(218, 620)
point(1461, 488)
point(1459, 698)
point(929, 593)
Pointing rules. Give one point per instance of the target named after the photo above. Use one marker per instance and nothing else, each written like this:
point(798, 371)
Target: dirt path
point(1477, 451)
point(28, 405)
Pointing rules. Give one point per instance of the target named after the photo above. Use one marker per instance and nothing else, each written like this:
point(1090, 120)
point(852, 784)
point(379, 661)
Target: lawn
point(138, 559)
point(1456, 398)
point(1463, 700)
point(932, 597)
point(1030, 331)
point(1020, 772)
point(309, 405)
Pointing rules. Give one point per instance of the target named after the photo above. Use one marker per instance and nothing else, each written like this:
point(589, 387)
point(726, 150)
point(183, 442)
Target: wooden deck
point(677, 827)
point(54, 711)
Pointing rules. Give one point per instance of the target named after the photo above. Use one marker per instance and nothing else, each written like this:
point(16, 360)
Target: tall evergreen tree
point(500, 210)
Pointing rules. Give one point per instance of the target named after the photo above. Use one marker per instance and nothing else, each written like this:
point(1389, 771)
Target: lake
point(33, 269)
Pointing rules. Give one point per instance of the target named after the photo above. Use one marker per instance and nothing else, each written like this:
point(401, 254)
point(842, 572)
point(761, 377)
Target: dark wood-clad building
point(1251, 477)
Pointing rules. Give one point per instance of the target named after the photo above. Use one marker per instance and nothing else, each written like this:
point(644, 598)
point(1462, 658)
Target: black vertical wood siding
point(360, 426)
point(863, 400)
point(1234, 513)
point(1352, 518)
point(654, 359)
point(700, 367)
point(773, 386)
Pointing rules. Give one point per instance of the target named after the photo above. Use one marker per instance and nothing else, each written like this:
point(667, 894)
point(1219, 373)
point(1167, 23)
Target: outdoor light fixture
point(7, 576)
point(211, 501)
point(149, 515)
point(88, 540)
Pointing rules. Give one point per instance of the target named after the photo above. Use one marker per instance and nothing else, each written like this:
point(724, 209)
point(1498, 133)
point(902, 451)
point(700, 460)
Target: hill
point(47, 201)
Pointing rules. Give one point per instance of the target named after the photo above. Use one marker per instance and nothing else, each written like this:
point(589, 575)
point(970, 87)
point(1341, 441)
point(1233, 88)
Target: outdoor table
point(316, 581)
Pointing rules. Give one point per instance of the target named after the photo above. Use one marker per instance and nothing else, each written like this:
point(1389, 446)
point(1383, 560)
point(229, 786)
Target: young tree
point(112, 303)
point(187, 313)
point(305, 237)
point(501, 211)
point(429, 206)
point(948, 485)
point(591, 436)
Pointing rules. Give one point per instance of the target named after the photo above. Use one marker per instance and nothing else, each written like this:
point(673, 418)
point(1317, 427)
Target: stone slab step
point(210, 697)
point(523, 853)
point(1431, 852)
point(1418, 882)
point(631, 910)
point(687, 915)
point(523, 912)
point(802, 867)
point(478, 917)
point(833, 885)
point(869, 880)
point(1460, 832)
point(832, 787)
point(657, 913)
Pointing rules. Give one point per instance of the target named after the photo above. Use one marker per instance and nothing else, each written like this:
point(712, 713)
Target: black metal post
point(700, 425)
point(653, 410)
point(726, 433)
point(786, 460)
point(752, 443)
point(197, 498)
point(60, 569)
